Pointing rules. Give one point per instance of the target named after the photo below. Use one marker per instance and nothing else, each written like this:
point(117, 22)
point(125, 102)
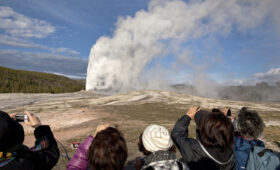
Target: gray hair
point(249, 123)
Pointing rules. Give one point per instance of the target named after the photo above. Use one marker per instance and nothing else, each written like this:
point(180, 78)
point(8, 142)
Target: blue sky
point(78, 24)
point(56, 36)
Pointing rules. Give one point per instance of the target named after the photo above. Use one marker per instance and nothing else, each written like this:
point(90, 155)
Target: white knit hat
point(156, 138)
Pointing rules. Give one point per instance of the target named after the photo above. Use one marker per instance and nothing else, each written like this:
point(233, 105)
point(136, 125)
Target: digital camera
point(21, 118)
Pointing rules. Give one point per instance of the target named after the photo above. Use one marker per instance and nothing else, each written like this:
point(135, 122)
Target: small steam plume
point(119, 62)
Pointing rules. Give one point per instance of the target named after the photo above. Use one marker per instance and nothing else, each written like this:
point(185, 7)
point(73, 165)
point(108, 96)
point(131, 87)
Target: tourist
point(15, 156)
point(159, 152)
point(215, 137)
point(105, 150)
point(249, 127)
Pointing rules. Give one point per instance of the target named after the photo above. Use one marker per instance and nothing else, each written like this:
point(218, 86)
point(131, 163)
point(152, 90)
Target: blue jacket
point(242, 148)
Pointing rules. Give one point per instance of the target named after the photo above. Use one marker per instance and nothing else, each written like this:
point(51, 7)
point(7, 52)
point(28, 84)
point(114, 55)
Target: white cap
point(156, 138)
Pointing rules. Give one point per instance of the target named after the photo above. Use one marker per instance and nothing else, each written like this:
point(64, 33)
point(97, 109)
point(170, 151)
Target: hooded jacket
point(194, 155)
point(44, 155)
point(242, 148)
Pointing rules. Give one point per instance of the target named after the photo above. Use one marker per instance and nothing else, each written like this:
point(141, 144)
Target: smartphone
point(75, 145)
point(229, 113)
point(21, 118)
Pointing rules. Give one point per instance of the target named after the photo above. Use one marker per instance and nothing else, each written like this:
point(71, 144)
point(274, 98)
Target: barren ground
point(73, 116)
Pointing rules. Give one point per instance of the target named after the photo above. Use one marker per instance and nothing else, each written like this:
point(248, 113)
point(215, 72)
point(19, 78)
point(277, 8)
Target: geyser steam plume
point(116, 63)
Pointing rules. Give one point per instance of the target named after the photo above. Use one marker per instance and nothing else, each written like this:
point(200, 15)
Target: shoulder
point(23, 160)
point(194, 144)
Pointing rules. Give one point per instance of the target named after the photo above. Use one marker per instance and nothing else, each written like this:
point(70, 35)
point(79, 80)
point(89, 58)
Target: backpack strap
point(252, 146)
point(260, 154)
point(210, 156)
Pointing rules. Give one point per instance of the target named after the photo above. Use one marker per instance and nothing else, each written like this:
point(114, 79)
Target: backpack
point(263, 159)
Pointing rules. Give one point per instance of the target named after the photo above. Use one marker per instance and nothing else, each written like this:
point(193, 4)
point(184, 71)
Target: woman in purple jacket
point(106, 151)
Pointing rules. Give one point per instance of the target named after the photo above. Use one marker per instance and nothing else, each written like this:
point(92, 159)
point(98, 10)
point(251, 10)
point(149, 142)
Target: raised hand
point(192, 111)
point(100, 128)
point(33, 120)
point(13, 115)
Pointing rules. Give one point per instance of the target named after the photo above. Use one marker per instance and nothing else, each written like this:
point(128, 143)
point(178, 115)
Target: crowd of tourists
point(223, 141)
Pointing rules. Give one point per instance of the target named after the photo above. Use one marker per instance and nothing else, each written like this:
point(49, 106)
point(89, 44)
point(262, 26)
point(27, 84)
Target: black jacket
point(193, 153)
point(44, 159)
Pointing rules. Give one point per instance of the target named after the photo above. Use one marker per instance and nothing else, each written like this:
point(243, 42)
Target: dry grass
point(272, 134)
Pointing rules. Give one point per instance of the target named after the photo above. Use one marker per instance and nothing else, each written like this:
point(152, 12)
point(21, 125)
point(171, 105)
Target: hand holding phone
point(33, 120)
point(21, 117)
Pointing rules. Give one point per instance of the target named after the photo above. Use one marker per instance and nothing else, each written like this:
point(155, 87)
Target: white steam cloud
point(272, 76)
point(116, 63)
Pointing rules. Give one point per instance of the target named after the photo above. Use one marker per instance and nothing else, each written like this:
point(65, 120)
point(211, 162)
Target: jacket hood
point(11, 133)
point(243, 144)
point(159, 156)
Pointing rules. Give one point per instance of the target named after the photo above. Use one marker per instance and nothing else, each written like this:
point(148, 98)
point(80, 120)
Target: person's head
point(216, 130)
point(108, 150)
point(155, 138)
point(11, 133)
point(249, 123)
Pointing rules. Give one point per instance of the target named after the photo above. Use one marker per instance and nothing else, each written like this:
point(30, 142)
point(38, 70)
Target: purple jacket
point(79, 160)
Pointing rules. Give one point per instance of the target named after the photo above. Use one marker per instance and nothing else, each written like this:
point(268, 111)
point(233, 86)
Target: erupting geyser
point(117, 62)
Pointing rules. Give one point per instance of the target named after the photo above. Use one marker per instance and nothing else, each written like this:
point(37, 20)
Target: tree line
point(18, 81)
